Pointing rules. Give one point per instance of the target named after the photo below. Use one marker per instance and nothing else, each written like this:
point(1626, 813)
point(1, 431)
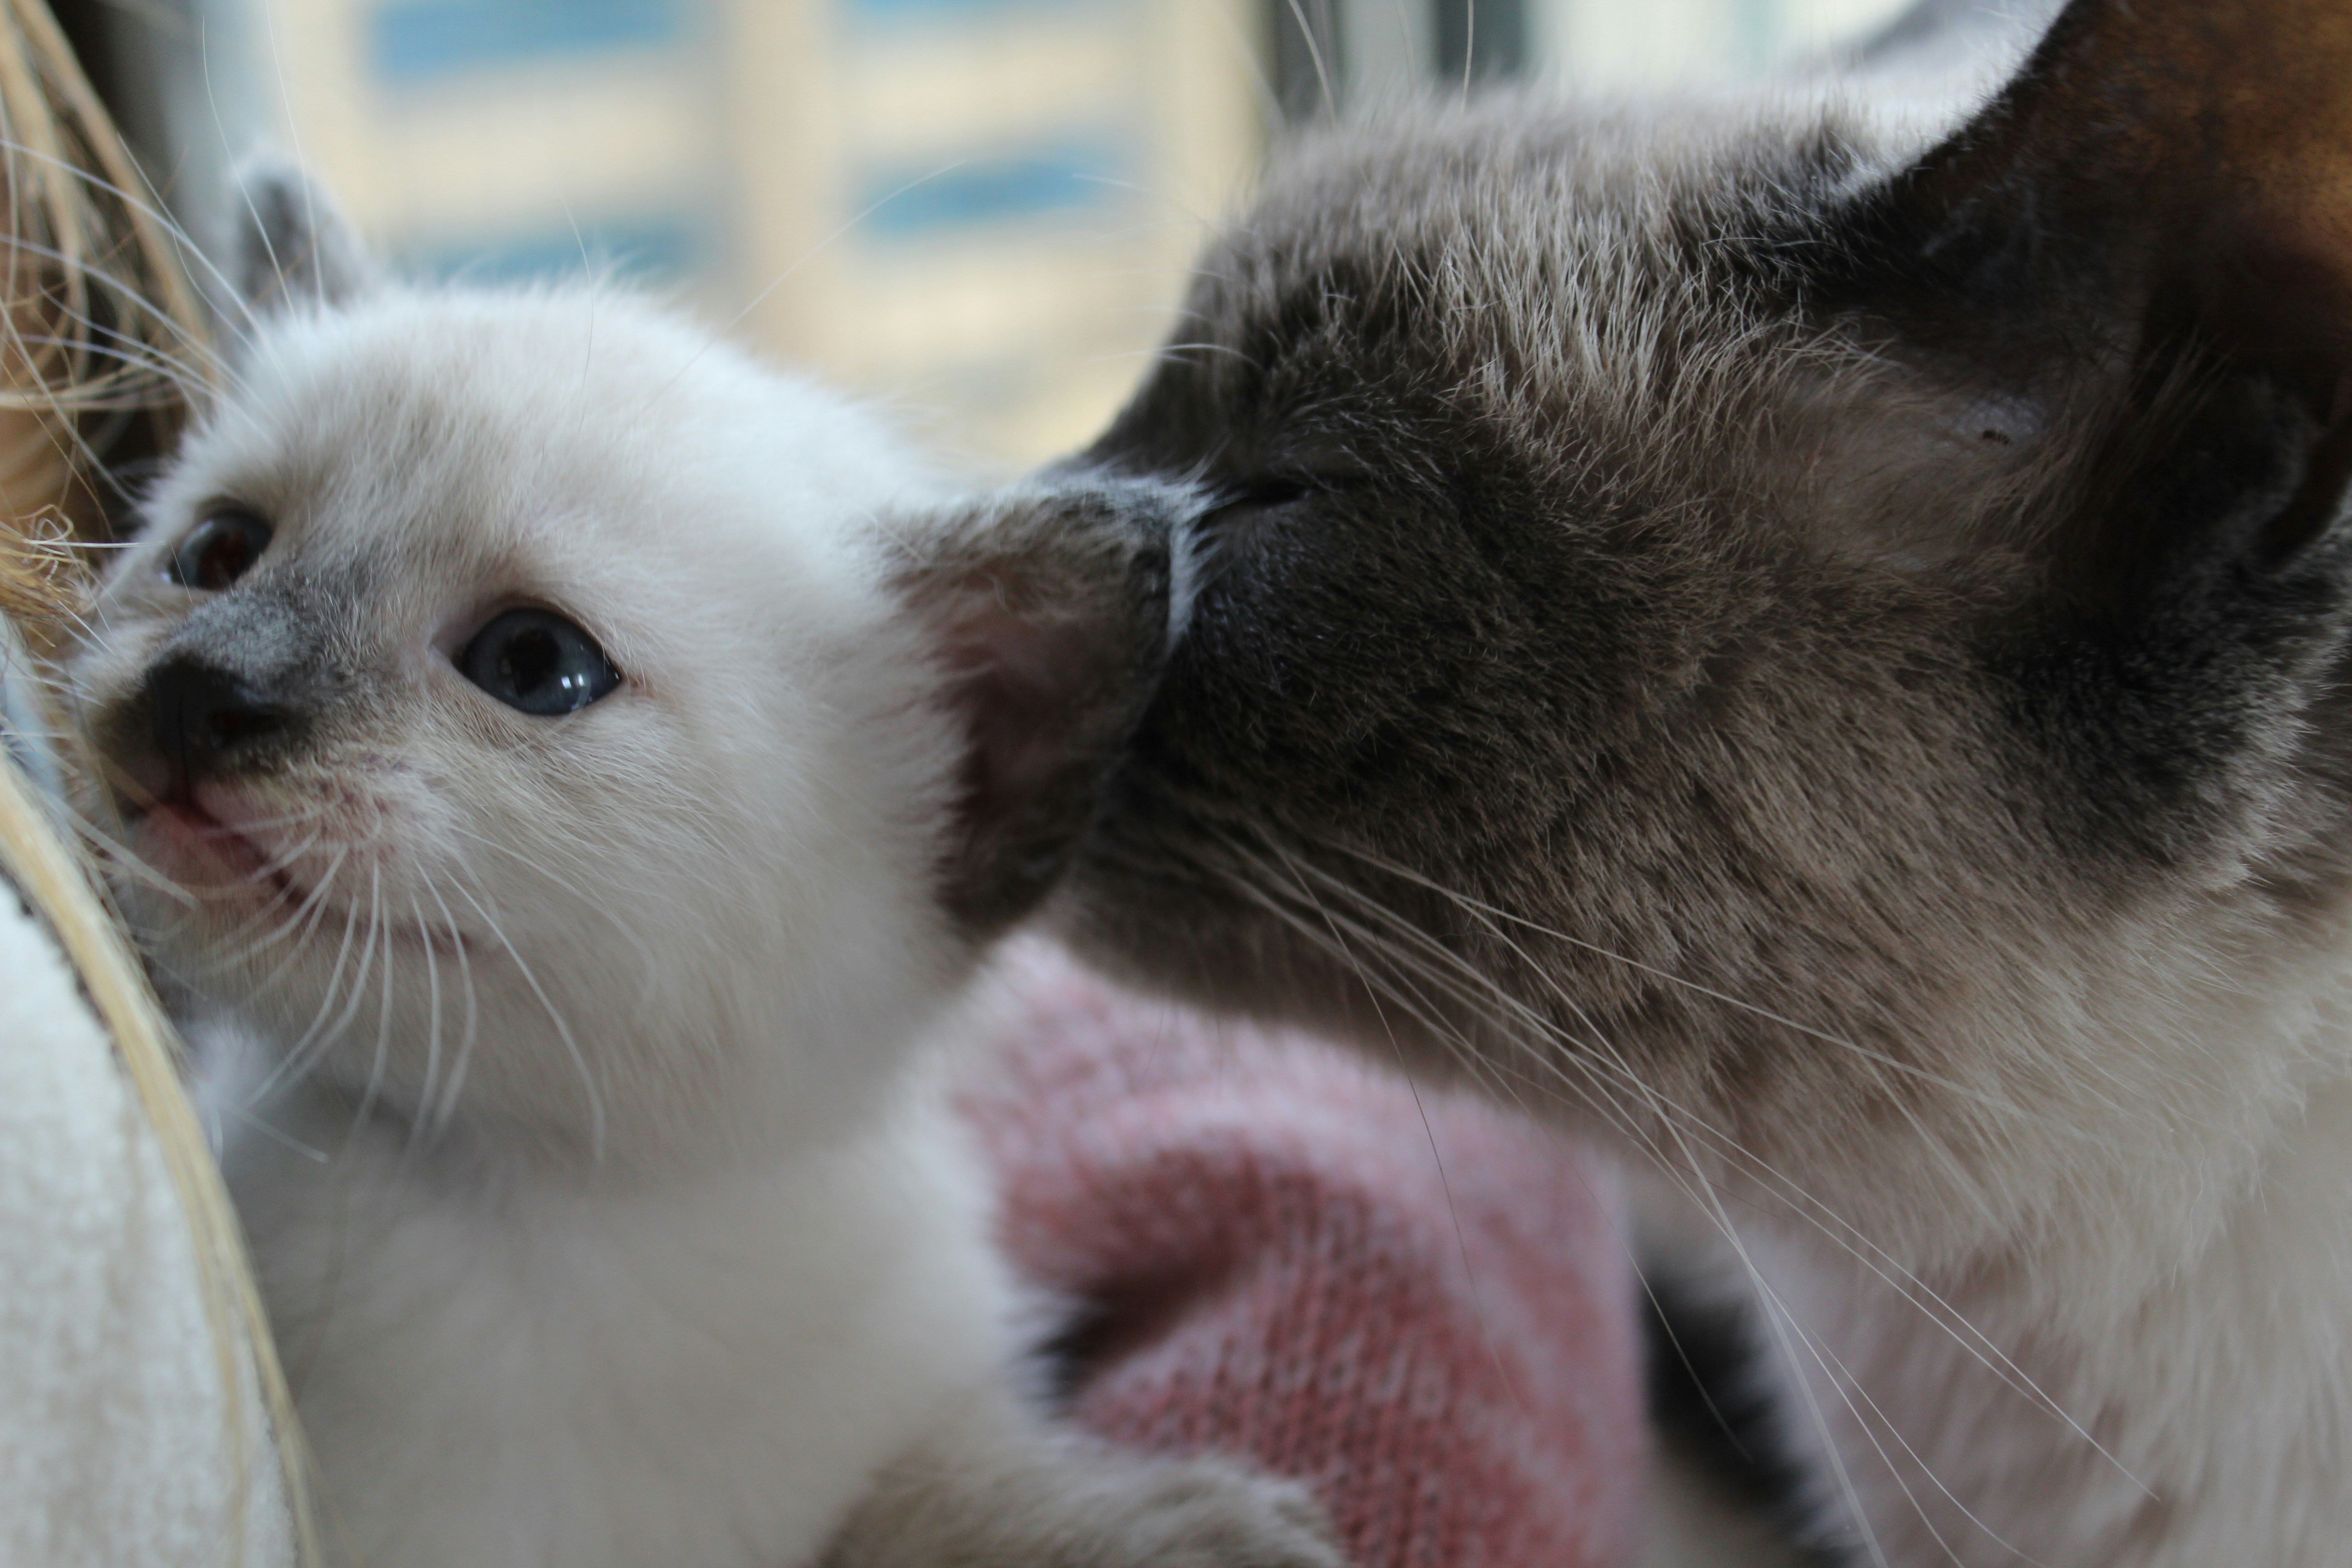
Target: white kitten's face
point(518, 688)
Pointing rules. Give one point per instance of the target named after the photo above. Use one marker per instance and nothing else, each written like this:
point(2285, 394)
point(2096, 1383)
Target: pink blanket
point(1416, 1303)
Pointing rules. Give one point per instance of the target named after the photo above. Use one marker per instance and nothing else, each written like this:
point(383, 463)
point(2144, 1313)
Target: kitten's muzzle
point(206, 719)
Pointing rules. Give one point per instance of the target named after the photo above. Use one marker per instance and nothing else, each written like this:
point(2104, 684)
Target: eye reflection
point(537, 662)
point(219, 550)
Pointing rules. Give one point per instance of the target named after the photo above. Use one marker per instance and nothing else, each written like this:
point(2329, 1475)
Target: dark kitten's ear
point(2160, 201)
point(2203, 148)
point(291, 245)
point(1050, 608)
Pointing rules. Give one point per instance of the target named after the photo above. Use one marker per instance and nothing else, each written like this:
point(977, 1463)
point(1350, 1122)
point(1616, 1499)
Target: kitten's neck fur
point(2169, 1427)
point(629, 1366)
point(2152, 1370)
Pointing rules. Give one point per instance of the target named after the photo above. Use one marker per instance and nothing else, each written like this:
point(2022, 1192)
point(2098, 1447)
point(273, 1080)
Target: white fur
point(605, 1212)
point(2156, 1369)
point(744, 1276)
point(509, 1366)
point(2126, 1341)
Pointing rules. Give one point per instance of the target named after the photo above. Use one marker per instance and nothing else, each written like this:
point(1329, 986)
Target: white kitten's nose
point(204, 717)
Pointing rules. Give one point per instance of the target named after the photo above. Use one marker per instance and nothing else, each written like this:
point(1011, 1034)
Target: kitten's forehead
point(1511, 207)
point(441, 427)
point(425, 460)
point(1501, 262)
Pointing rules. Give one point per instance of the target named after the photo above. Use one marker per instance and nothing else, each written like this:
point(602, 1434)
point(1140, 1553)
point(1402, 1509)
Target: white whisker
point(366, 1107)
point(439, 1116)
point(433, 1006)
point(579, 1061)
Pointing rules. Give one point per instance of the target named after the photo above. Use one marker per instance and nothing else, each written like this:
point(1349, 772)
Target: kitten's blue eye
point(537, 662)
point(219, 550)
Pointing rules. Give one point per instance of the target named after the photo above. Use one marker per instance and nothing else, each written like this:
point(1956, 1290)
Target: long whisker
point(1873, 1258)
point(1786, 1331)
point(1677, 1122)
point(432, 1003)
point(1436, 1157)
point(1800, 1201)
point(465, 1054)
point(537, 864)
point(1782, 1323)
point(1703, 1196)
point(312, 909)
point(321, 1037)
point(366, 1109)
point(1877, 1420)
point(1879, 1058)
point(808, 256)
point(1311, 34)
point(150, 213)
point(278, 900)
point(579, 1061)
point(120, 858)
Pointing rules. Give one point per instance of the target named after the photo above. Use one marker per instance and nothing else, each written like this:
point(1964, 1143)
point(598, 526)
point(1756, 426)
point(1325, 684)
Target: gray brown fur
point(1805, 644)
point(1589, 606)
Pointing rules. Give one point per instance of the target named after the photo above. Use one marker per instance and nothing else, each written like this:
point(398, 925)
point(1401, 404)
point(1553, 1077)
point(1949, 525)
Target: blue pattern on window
point(419, 40)
point(652, 248)
point(886, 8)
point(912, 203)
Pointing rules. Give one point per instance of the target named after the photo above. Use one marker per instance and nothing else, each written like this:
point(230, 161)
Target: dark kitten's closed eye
point(1268, 493)
point(1244, 504)
point(1234, 518)
point(537, 662)
point(219, 550)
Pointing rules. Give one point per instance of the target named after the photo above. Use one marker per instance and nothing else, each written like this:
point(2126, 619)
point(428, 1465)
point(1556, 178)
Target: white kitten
point(598, 763)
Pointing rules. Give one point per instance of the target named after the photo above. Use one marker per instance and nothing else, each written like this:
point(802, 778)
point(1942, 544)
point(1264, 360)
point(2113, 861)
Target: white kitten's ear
point(1048, 607)
point(291, 245)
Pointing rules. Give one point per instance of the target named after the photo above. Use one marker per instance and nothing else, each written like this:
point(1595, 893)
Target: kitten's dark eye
point(220, 550)
point(539, 663)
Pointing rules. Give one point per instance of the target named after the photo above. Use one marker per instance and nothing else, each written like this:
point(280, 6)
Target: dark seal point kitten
point(1814, 642)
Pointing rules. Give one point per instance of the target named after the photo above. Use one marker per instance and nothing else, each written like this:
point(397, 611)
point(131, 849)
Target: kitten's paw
point(1210, 1513)
point(1000, 1490)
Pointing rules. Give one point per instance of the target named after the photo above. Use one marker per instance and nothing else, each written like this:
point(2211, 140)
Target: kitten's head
point(547, 712)
point(1686, 569)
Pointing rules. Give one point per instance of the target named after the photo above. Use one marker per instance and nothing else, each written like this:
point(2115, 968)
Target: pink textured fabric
point(1417, 1304)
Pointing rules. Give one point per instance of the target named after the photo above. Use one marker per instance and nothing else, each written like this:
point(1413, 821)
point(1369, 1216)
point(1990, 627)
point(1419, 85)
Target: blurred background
point(979, 212)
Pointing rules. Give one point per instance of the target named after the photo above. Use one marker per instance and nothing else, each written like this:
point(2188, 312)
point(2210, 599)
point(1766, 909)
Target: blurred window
point(1360, 51)
point(415, 40)
point(981, 211)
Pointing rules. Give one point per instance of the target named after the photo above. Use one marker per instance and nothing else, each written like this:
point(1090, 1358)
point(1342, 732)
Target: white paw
point(1211, 1514)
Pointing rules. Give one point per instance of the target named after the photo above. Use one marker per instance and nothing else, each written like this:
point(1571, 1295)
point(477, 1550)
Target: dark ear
point(1049, 609)
point(291, 245)
point(2161, 204)
point(2204, 144)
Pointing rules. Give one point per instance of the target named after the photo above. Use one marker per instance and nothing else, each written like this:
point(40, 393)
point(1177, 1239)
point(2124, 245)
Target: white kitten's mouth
point(222, 864)
point(206, 855)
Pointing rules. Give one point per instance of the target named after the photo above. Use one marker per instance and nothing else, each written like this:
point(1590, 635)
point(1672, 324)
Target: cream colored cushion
point(118, 1447)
